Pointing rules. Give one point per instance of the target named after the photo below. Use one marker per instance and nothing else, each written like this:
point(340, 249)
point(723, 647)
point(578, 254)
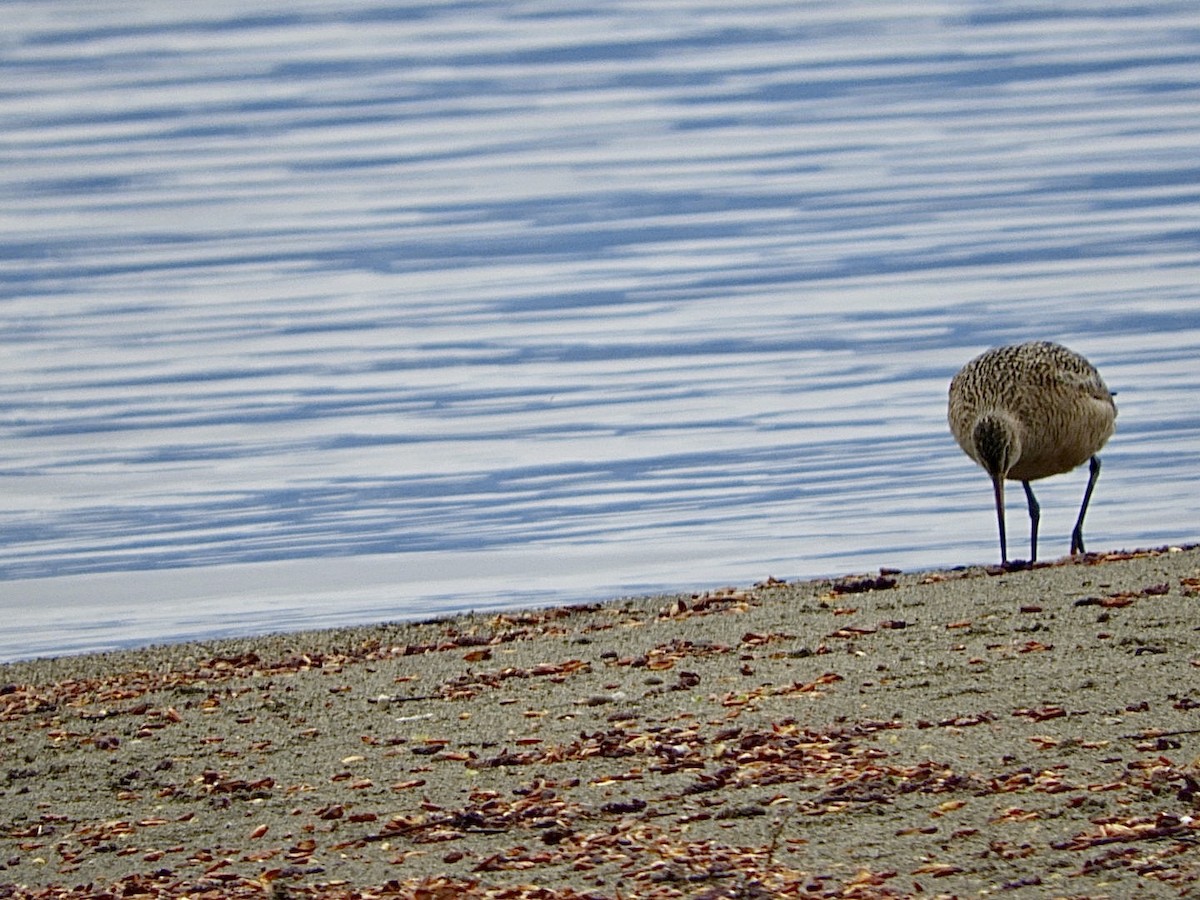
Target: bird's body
point(1029, 411)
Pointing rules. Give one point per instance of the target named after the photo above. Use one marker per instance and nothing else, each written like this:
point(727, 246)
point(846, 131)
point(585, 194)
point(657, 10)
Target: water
point(319, 313)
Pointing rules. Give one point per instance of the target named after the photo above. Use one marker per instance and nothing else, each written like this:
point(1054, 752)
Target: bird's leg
point(1035, 515)
point(998, 486)
point(1077, 534)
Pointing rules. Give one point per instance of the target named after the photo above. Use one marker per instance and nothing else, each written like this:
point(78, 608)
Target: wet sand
point(1031, 733)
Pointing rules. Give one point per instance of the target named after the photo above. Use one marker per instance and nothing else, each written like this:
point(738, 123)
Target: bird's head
point(997, 441)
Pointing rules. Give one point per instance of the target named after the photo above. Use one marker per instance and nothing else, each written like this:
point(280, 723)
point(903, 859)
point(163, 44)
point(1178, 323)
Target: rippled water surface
point(318, 313)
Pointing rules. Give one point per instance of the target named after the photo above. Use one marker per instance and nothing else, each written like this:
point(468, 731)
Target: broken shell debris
point(1019, 731)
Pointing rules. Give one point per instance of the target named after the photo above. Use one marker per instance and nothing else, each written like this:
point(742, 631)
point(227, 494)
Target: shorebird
point(1029, 411)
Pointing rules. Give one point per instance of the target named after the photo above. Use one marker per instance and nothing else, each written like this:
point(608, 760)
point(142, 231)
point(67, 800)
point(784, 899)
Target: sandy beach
point(965, 733)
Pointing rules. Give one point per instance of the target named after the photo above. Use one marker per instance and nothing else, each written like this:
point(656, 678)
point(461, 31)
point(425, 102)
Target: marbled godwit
point(1029, 411)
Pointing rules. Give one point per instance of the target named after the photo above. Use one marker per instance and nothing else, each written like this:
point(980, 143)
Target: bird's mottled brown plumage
point(1029, 411)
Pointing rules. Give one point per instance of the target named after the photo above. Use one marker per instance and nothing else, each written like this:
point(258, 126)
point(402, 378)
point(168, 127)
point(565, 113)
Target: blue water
point(319, 313)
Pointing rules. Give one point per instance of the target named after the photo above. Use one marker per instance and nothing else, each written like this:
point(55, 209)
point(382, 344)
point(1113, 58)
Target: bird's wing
point(1089, 383)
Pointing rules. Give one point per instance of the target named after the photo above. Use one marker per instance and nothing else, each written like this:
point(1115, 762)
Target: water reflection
point(321, 316)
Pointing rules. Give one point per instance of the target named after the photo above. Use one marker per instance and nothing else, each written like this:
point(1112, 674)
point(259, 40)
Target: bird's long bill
point(998, 487)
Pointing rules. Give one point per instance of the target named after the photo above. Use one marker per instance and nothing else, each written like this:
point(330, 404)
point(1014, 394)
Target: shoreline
point(964, 732)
